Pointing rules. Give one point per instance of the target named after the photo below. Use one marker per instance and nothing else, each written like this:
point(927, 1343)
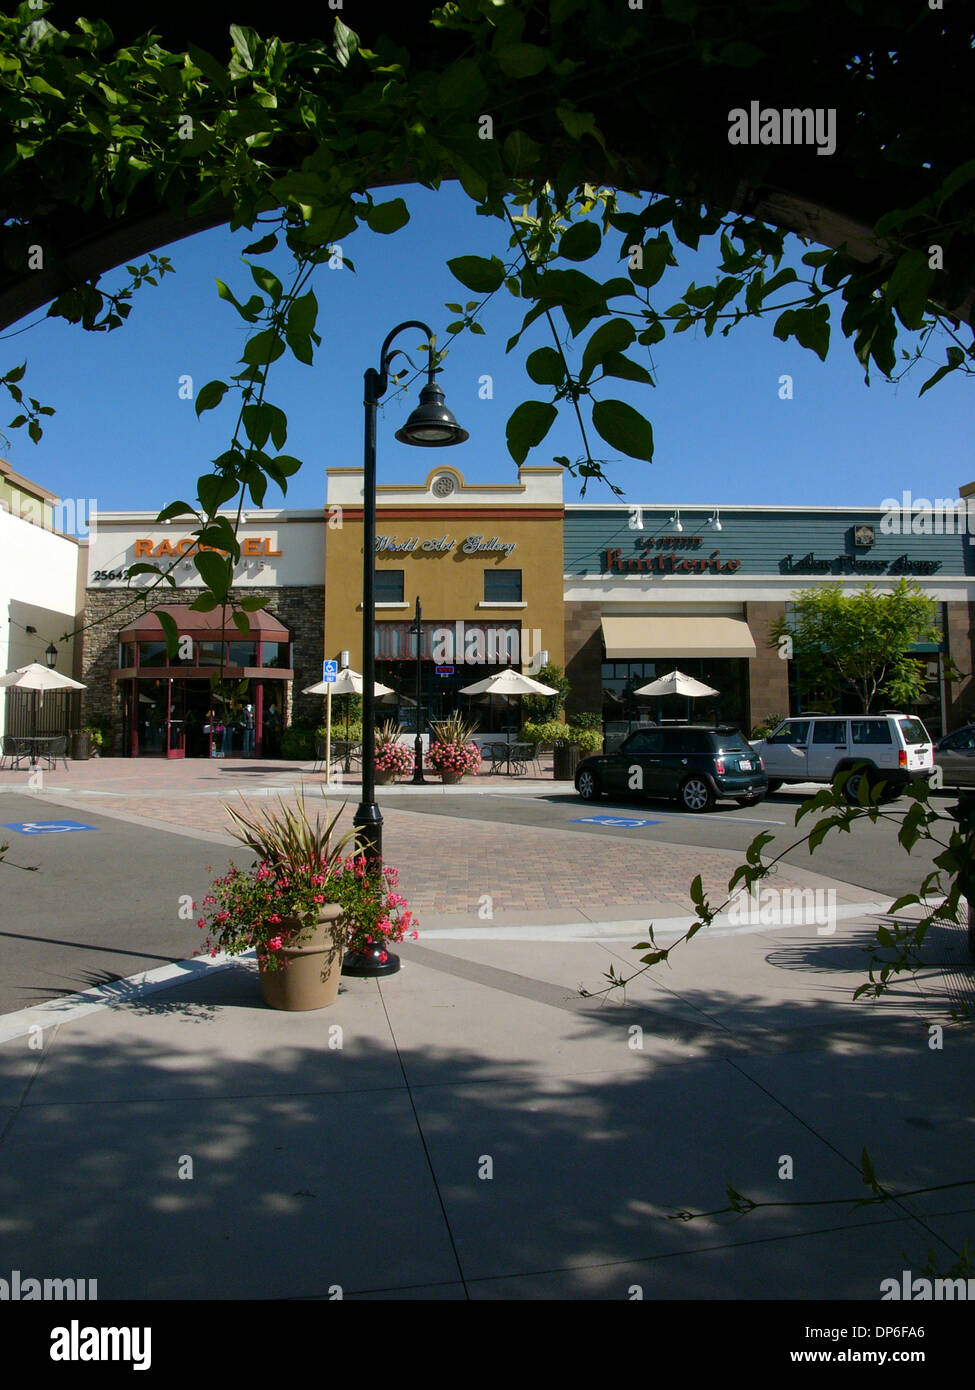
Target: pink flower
point(275, 943)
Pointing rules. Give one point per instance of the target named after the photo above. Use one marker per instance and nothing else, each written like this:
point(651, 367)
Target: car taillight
point(719, 766)
point(902, 758)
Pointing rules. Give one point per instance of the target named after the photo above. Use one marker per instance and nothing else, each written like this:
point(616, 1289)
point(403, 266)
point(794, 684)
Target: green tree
point(539, 708)
point(861, 640)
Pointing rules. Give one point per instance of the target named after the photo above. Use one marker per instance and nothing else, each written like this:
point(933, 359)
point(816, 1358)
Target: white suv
point(891, 748)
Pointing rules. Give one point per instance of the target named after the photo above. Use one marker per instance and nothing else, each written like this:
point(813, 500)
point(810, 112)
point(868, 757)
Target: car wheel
point(774, 783)
point(587, 785)
point(696, 794)
point(851, 788)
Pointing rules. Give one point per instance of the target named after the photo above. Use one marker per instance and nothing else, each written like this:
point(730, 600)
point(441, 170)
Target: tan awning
point(637, 637)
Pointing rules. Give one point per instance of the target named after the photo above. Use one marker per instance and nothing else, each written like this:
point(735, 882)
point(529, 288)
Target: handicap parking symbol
point(620, 822)
point(46, 827)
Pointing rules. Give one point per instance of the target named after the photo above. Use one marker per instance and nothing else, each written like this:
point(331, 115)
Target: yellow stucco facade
point(445, 536)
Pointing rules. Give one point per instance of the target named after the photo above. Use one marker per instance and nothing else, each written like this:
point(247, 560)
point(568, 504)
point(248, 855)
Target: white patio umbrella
point(38, 678)
point(347, 682)
point(510, 683)
point(676, 683)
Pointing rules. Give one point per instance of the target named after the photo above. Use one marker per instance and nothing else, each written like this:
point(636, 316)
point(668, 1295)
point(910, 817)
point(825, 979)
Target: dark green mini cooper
point(693, 763)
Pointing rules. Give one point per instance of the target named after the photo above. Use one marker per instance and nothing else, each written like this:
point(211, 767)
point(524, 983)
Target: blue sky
point(123, 435)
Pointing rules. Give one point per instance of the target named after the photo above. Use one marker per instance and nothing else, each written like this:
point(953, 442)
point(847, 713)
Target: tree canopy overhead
point(547, 112)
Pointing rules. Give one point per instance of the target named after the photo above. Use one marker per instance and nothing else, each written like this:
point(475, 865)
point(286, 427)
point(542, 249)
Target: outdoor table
point(36, 746)
point(514, 756)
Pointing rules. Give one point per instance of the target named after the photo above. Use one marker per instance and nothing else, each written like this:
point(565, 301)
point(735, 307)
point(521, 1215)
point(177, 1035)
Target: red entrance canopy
point(193, 623)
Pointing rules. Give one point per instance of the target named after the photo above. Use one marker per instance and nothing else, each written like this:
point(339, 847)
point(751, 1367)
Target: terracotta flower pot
point(385, 777)
point(308, 976)
point(452, 778)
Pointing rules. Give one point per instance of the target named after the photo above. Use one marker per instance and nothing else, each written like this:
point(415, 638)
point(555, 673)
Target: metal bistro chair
point(320, 751)
point(498, 753)
point(56, 748)
point(16, 749)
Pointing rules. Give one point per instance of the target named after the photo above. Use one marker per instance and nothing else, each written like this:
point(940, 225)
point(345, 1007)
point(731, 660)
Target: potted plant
point(451, 751)
point(568, 743)
point(284, 906)
point(392, 759)
point(301, 906)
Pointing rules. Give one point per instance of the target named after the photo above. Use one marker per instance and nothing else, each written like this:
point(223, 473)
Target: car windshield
point(914, 731)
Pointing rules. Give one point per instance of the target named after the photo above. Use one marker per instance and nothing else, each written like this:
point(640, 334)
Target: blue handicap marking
point(46, 827)
point(330, 672)
point(621, 822)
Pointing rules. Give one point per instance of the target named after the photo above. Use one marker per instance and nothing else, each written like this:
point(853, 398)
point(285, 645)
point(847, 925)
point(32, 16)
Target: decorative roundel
point(444, 485)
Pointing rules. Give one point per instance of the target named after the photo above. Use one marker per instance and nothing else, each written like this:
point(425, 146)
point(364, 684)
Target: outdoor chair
point(54, 749)
point(14, 749)
point(498, 754)
point(320, 754)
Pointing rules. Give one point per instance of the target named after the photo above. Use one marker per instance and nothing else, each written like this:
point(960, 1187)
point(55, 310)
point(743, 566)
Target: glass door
point(176, 720)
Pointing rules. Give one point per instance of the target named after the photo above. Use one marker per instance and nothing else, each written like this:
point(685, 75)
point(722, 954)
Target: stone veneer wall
point(768, 673)
point(584, 656)
point(301, 609)
point(960, 693)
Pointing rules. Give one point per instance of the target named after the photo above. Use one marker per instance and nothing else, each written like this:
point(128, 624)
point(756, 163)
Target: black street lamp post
point(418, 778)
point(431, 425)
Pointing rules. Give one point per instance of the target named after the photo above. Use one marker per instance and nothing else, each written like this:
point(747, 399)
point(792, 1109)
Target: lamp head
point(431, 425)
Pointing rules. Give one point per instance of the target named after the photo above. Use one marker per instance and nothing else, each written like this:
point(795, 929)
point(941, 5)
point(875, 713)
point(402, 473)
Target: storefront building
point(485, 562)
point(651, 588)
point(160, 705)
point(41, 597)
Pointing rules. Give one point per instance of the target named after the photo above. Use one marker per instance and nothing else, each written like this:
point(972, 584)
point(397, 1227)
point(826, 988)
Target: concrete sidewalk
point(475, 1128)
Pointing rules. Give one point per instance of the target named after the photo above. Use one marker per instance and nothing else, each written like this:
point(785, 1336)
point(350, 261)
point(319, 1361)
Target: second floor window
point(502, 586)
point(389, 586)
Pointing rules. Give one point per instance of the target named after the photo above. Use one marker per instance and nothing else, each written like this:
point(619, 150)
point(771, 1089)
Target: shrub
point(298, 742)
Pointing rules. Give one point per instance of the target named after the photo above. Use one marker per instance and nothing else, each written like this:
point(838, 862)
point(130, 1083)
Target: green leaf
point(210, 396)
point(624, 428)
point(578, 123)
point(213, 489)
point(580, 241)
point(16, 373)
point(213, 70)
point(909, 286)
point(267, 281)
point(246, 44)
point(615, 364)
point(520, 152)
point(265, 347)
point(614, 336)
point(546, 367)
point(170, 631)
point(253, 602)
point(522, 59)
point(387, 217)
point(214, 570)
point(205, 603)
point(527, 426)
point(955, 357)
point(262, 247)
point(344, 42)
point(175, 509)
point(477, 273)
point(242, 623)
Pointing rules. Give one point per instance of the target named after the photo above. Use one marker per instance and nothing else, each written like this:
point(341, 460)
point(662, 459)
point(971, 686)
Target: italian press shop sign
point(330, 672)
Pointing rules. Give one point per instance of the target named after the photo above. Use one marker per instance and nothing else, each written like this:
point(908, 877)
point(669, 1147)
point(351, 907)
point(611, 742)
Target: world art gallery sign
point(444, 545)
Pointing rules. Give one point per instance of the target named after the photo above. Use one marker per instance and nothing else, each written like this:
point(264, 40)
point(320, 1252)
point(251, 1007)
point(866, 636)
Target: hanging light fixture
point(715, 520)
point(675, 521)
point(52, 656)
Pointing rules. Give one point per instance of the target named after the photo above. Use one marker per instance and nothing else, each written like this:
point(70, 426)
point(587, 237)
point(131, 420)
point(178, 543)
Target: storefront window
point(126, 654)
point(242, 654)
point(211, 653)
point(276, 654)
point(623, 708)
point(153, 654)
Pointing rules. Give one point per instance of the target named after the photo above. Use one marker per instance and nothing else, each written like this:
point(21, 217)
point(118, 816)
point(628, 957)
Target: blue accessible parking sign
point(621, 822)
point(46, 827)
